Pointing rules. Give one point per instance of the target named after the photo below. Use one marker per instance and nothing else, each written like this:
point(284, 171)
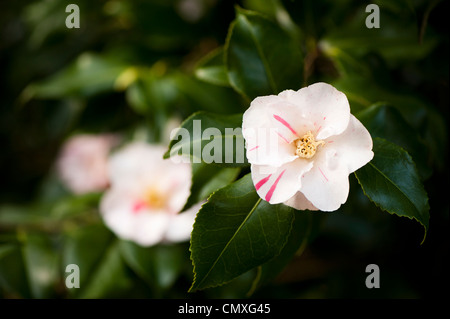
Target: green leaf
point(72, 206)
point(392, 182)
point(153, 90)
point(304, 229)
point(86, 247)
point(260, 57)
point(212, 69)
point(88, 75)
point(14, 215)
point(13, 278)
point(42, 265)
point(152, 94)
point(197, 95)
point(384, 121)
point(158, 265)
point(111, 278)
point(236, 231)
point(362, 92)
point(206, 179)
point(275, 10)
point(397, 39)
point(210, 138)
point(50, 214)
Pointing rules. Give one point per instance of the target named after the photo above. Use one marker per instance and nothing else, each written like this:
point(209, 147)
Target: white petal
point(174, 180)
point(300, 202)
point(181, 224)
point(114, 210)
point(141, 166)
point(179, 195)
point(137, 160)
point(81, 164)
point(280, 184)
point(124, 163)
point(142, 227)
point(352, 148)
point(269, 128)
point(326, 185)
point(324, 106)
point(149, 228)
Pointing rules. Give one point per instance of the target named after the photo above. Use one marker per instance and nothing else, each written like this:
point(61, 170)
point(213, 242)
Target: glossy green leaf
point(236, 231)
point(206, 179)
point(384, 121)
point(276, 11)
point(260, 57)
point(212, 69)
point(210, 138)
point(392, 182)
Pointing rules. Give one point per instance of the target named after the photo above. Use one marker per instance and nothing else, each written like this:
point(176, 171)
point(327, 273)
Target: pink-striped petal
point(277, 186)
point(274, 186)
point(267, 130)
point(285, 123)
point(326, 185)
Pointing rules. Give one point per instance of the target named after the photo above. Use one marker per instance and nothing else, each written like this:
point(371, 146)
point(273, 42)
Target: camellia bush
point(219, 149)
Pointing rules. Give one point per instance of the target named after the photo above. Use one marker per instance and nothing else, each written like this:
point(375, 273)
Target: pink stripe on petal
point(323, 174)
point(283, 121)
point(253, 148)
point(138, 206)
point(262, 182)
point(273, 187)
point(284, 139)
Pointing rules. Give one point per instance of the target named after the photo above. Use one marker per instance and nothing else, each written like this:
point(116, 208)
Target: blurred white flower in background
point(192, 10)
point(146, 196)
point(81, 164)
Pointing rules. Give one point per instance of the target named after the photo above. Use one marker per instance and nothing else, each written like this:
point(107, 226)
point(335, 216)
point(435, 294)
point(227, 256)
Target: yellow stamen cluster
point(155, 199)
point(307, 145)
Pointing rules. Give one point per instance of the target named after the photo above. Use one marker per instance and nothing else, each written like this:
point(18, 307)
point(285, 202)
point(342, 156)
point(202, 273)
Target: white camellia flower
point(81, 164)
point(146, 196)
point(303, 145)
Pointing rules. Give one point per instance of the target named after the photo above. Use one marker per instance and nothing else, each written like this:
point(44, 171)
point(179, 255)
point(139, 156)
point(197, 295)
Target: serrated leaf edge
point(393, 212)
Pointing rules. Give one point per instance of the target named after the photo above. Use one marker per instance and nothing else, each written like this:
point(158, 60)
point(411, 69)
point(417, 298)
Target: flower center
point(155, 199)
point(307, 145)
